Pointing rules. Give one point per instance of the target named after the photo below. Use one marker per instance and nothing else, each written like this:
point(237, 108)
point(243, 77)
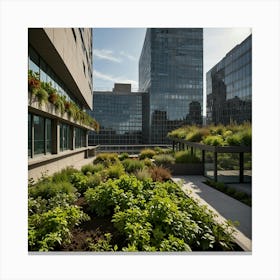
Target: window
point(38, 123)
point(39, 135)
point(80, 140)
point(48, 133)
point(65, 137)
point(29, 134)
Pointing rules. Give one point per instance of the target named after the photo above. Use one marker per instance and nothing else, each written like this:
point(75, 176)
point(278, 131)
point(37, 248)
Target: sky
point(116, 52)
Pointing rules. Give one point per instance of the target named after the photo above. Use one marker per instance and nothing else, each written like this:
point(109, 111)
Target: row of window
point(46, 74)
point(42, 141)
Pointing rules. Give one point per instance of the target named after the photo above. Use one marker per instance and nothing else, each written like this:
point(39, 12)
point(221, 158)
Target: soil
point(93, 229)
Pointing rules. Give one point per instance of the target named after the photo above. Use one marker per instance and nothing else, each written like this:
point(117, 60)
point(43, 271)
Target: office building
point(61, 59)
point(171, 72)
point(229, 86)
point(119, 114)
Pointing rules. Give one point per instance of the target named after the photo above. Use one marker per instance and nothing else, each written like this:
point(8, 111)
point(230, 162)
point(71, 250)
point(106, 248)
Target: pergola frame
point(181, 144)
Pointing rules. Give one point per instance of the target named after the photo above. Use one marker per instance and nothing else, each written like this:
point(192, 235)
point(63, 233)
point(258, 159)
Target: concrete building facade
point(61, 60)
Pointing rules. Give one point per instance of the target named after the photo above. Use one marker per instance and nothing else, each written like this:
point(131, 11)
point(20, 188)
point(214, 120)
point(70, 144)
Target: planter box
point(185, 168)
point(49, 109)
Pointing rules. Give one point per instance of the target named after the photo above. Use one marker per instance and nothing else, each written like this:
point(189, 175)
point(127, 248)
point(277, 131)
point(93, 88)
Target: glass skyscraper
point(229, 86)
point(171, 72)
point(119, 113)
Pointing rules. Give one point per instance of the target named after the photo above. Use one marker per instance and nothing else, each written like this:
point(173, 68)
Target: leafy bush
point(64, 174)
point(132, 165)
point(87, 169)
point(106, 159)
point(214, 140)
point(147, 162)
point(174, 244)
point(234, 140)
point(94, 180)
point(115, 171)
point(123, 156)
point(134, 225)
point(80, 181)
point(48, 189)
point(47, 231)
point(147, 153)
point(103, 244)
point(97, 168)
point(164, 159)
point(186, 157)
point(160, 174)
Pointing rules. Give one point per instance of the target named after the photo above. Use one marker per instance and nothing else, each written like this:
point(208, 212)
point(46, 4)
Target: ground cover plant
point(114, 205)
point(220, 135)
point(241, 196)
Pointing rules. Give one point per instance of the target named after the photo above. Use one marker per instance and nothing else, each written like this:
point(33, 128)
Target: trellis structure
point(181, 144)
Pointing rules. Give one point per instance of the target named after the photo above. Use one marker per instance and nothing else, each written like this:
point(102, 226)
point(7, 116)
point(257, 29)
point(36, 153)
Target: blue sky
point(116, 52)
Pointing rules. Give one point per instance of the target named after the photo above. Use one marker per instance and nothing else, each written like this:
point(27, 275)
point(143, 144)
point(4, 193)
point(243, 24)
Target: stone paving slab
point(226, 207)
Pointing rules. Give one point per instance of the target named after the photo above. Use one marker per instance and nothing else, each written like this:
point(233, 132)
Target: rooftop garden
point(121, 204)
point(44, 93)
point(220, 135)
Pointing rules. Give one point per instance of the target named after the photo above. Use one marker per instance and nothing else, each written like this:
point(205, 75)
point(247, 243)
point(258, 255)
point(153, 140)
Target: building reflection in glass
point(171, 71)
point(229, 86)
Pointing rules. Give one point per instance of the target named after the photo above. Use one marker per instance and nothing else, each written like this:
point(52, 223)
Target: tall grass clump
point(186, 157)
point(48, 189)
point(106, 159)
point(163, 159)
point(64, 174)
point(147, 153)
point(132, 165)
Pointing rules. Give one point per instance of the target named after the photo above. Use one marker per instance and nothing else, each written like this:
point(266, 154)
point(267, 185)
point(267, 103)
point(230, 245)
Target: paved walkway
point(227, 207)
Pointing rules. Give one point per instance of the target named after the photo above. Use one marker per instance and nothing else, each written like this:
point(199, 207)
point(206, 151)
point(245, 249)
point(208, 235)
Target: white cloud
point(129, 56)
point(105, 77)
point(106, 54)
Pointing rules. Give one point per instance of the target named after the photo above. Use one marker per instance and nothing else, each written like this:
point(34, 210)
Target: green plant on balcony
point(44, 92)
point(33, 82)
point(42, 96)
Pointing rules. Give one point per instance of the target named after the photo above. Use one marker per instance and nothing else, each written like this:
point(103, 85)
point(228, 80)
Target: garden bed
point(120, 204)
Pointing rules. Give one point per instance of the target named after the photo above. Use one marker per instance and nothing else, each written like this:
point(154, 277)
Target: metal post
point(173, 146)
point(203, 161)
point(215, 166)
point(241, 167)
point(191, 150)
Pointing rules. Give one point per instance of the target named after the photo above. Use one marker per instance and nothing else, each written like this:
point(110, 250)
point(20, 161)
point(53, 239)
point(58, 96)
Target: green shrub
point(147, 153)
point(132, 165)
point(147, 162)
point(163, 159)
point(64, 174)
point(94, 180)
point(97, 168)
point(115, 171)
point(186, 157)
point(174, 244)
point(214, 140)
point(103, 198)
point(123, 156)
point(48, 189)
point(102, 244)
point(197, 134)
point(160, 174)
point(47, 231)
point(106, 159)
point(234, 140)
point(80, 181)
point(87, 169)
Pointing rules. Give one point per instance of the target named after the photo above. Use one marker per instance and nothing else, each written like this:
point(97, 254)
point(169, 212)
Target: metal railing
point(130, 149)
